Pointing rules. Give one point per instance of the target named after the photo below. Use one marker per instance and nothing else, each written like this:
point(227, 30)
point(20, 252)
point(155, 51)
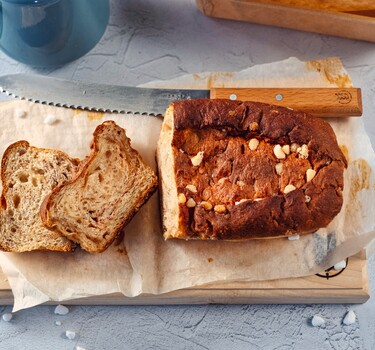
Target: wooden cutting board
point(353, 19)
point(349, 286)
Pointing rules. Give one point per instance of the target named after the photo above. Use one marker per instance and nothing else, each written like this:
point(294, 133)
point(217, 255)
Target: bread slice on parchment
point(29, 174)
point(109, 188)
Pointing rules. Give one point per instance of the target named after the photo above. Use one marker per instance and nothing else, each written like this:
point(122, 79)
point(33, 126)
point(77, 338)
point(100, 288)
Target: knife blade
point(321, 102)
point(97, 97)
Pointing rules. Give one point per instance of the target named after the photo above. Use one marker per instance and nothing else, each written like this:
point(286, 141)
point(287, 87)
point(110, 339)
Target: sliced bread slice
point(108, 189)
point(29, 174)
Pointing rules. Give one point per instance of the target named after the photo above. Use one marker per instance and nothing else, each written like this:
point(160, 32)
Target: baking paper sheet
point(143, 262)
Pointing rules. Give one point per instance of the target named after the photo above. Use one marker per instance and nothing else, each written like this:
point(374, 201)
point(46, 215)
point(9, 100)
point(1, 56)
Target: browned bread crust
point(240, 190)
point(108, 189)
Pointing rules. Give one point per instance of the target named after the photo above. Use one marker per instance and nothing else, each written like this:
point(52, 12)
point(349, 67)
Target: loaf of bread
point(232, 170)
point(29, 174)
point(108, 189)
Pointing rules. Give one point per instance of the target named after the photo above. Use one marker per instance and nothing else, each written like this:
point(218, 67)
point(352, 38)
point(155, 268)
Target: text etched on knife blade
point(178, 97)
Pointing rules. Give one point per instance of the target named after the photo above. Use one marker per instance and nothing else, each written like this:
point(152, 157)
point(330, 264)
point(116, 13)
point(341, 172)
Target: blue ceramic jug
point(45, 33)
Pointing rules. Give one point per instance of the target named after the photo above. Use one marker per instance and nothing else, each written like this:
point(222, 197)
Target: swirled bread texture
point(28, 175)
point(110, 186)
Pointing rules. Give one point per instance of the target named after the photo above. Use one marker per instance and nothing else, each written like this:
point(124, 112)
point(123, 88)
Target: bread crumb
point(58, 323)
point(286, 149)
point(20, 113)
point(222, 180)
point(220, 208)
point(317, 321)
point(241, 201)
point(349, 318)
point(278, 152)
point(206, 205)
point(240, 183)
point(197, 159)
point(293, 238)
point(340, 265)
point(253, 144)
point(191, 188)
point(303, 152)
point(210, 260)
point(289, 188)
point(70, 335)
point(7, 317)
point(50, 119)
point(191, 203)
point(61, 310)
point(294, 147)
point(181, 198)
point(254, 126)
point(80, 348)
point(279, 168)
point(310, 174)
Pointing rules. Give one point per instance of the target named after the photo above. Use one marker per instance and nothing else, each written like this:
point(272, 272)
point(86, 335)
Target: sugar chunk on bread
point(108, 189)
point(29, 174)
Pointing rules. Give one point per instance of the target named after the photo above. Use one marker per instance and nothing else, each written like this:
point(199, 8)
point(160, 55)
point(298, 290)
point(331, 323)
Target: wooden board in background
point(351, 286)
point(353, 19)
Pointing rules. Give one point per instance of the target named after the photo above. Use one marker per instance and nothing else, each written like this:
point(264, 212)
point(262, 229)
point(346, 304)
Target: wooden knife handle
point(321, 102)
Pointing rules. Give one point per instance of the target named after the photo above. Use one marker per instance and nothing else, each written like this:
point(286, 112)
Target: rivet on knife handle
point(321, 102)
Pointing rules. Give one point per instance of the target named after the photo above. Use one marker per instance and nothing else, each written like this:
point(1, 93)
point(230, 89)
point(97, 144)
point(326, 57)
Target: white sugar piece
point(7, 317)
point(50, 119)
point(197, 159)
point(70, 335)
point(317, 321)
point(349, 318)
point(20, 113)
point(80, 348)
point(58, 323)
point(293, 238)
point(61, 310)
point(340, 265)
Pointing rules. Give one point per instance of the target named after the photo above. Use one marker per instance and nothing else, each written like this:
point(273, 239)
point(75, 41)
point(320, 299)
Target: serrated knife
point(323, 102)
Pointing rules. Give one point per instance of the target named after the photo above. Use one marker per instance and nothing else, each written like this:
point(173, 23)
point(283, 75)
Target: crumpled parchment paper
point(143, 262)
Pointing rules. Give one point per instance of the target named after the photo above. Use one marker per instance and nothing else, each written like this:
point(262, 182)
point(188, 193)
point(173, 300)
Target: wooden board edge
point(365, 281)
point(232, 297)
point(347, 25)
point(283, 292)
point(309, 8)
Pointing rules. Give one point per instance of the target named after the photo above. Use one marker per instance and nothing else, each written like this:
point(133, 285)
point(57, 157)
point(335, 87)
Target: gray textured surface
point(162, 39)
